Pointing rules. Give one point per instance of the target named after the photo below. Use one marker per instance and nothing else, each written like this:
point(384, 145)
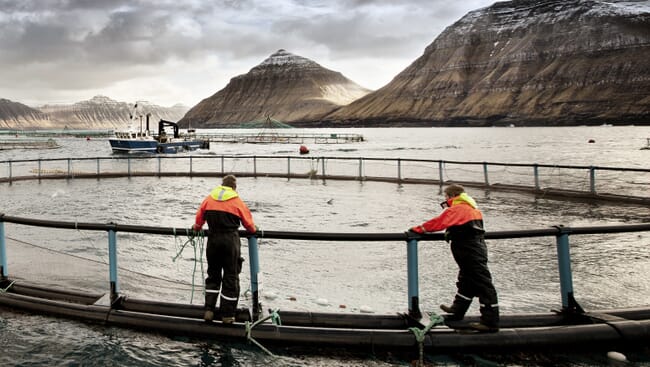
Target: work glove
point(412, 235)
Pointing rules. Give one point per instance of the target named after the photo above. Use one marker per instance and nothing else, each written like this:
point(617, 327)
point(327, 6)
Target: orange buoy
point(304, 149)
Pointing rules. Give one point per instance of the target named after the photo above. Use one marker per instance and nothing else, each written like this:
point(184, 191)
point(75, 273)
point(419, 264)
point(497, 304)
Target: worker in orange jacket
point(223, 210)
point(463, 223)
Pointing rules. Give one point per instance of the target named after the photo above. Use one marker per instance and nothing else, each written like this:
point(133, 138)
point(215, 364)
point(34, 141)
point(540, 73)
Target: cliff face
point(14, 113)
point(285, 86)
point(524, 62)
point(97, 113)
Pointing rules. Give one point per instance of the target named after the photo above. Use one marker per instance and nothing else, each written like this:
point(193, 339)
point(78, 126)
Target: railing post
point(360, 169)
point(592, 179)
point(253, 257)
point(323, 165)
point(98, 170)
point(536, 174)
point(485, 173)
point(3, 250)
point(440, 172)
point(159, 165)
point(10, 173)
point(128, 165)
point(254, 166)
point(222, 165)
point(569, 303)
point(288, 167)
point(190, 166)
point(399, 170)
point(413, 286)
point(69, 168)
point(39, 170)
point(112, 265)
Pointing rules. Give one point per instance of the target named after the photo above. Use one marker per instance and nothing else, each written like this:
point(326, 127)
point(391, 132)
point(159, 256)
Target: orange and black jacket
point(461, 219)
point(224, 210)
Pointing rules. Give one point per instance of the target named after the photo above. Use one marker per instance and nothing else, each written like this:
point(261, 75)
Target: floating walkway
point(570, 327)
point(28, 144)
point(280, 138)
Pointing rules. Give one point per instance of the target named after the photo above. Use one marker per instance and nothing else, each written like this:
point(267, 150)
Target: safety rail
point(560, 233)
point(572, 182)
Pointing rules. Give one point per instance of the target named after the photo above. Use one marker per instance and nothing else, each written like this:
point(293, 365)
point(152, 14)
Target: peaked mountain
point(101, 112)
point(285, 86)
point(12, 113)
point(550, 62)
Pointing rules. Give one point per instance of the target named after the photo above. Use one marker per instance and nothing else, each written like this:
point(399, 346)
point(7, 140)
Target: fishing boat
point(412, 330)
point(143, 140)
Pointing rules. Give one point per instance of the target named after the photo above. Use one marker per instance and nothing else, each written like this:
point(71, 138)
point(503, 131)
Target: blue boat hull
point(133, 146)
point(153, 146)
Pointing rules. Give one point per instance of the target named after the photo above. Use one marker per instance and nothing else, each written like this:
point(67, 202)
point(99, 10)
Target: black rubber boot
point(490, 317)
point(457, 310)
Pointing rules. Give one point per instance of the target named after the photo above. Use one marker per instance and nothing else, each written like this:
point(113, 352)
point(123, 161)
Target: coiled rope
point(196, 240)
point(275, 319)
point(434, 319)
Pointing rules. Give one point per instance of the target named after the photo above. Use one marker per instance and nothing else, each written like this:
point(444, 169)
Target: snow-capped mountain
point(548, 62)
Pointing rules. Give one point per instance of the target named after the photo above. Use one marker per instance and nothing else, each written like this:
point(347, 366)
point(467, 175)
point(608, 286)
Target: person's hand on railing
point(412, 235)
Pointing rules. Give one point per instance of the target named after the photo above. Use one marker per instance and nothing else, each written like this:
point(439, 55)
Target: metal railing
point(560, 233)
point(572, 182)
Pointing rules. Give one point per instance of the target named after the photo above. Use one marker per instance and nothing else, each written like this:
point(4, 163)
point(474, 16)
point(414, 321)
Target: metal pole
point(360, 169)
point(254, 166)
point(413, 286)
point(69, 168)
point(440, 172)
point(536, 173)
point(159, 165)
point(98, 170)
point(592, 179)
point(128, 164)
point(569, 303)
point(112, 264)
point(190, 166)
point(3, 252)
point(485, 174)
point(323, 158)
point(253, 256)
point(39, 170)
point(288, 167)
point(399, 170)
point(222, 165)
point(10, 171)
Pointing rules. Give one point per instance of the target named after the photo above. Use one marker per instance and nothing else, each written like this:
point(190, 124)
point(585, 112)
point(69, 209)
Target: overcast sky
point(177, 51)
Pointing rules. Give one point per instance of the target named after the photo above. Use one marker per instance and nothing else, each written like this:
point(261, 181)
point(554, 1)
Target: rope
point(4, 290)
point(196, 240)
point(275, 319)
point(434, 319)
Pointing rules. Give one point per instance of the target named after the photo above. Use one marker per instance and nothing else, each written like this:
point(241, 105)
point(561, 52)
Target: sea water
point(609, 271)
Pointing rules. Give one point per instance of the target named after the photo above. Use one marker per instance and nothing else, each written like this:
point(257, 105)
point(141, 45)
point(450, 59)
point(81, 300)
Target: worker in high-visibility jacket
point(463, 223)
point(223, 210)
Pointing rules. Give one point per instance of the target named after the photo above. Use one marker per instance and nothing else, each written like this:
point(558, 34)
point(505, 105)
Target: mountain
point(12, 113)
point(100, 112)
point(551, 62)
point(285, 86)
